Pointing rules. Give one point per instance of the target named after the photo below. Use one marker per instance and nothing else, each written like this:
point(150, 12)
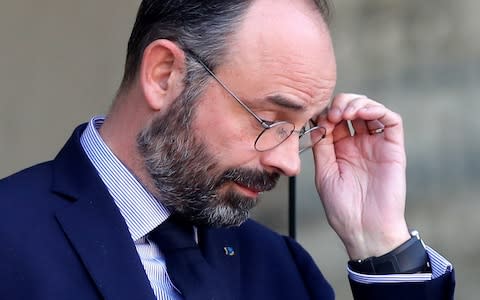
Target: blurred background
point(61, 62)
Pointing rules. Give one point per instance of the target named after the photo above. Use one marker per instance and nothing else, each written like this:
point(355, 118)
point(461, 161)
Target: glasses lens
point(273, 136)
point(311, 137)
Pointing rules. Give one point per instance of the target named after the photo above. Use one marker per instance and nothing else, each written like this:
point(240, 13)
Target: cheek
point(228, 136)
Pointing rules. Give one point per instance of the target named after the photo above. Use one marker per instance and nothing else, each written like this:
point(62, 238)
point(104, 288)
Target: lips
point(251, 192)
point(255, 188)
point(249, 182)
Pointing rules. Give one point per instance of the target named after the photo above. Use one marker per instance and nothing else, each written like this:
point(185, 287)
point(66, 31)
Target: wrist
point(408, 258)
point(363, 246)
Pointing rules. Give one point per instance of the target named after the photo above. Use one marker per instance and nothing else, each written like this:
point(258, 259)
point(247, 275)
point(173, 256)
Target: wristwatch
point(408, 258)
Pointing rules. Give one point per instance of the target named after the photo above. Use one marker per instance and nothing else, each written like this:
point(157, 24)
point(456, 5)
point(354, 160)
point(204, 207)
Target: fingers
point(347, 106)
point(367, 116)
point(372, 124)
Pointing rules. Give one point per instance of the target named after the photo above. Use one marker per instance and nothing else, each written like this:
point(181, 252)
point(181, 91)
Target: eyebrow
point(285, 103)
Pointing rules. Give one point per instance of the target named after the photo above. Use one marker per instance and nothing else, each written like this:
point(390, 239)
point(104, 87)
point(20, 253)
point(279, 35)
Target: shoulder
point(24, 197)
point(27, 181)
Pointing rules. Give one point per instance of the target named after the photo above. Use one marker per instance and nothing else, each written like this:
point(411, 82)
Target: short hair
point(203, 26)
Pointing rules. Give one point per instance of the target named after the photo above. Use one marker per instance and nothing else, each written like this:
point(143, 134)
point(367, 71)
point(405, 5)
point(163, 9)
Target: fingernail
point(335, 112)
point(350, 109)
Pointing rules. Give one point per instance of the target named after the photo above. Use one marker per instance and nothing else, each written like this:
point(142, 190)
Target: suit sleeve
point(438, 285)
point(441, 288)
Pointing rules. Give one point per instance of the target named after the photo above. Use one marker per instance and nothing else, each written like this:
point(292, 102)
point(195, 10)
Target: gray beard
point(187, 178)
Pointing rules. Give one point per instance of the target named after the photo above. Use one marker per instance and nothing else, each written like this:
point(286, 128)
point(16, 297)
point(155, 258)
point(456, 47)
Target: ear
point(161, 73)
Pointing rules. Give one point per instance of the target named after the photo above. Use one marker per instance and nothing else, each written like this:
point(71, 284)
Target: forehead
point(283, 48)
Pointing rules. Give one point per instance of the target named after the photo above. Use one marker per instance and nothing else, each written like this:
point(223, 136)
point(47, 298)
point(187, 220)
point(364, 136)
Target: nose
point(284, 158)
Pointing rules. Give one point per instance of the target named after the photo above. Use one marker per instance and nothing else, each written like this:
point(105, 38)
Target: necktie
point(186, 266)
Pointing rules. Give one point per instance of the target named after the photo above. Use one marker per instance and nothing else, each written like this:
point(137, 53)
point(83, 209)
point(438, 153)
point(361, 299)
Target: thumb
point(324, 151)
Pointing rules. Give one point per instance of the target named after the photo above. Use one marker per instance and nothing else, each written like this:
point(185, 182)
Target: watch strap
point(408, 258)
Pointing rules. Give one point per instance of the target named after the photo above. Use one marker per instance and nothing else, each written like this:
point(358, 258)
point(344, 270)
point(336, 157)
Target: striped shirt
point(142, 213)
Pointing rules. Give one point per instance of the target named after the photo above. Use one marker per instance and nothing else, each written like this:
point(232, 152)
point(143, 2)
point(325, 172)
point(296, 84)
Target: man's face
point(189, 179)
point(281, 64)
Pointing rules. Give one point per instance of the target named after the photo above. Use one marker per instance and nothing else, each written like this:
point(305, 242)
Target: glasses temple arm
point(263, 123)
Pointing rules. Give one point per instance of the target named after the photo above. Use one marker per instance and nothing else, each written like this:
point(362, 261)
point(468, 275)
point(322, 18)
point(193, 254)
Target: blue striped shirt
point(142, 213)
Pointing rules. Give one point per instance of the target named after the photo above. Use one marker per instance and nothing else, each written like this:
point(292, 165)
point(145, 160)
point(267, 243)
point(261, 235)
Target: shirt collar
point(141, 211)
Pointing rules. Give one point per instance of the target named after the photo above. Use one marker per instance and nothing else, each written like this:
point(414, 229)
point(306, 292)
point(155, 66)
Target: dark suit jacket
point(62, 237)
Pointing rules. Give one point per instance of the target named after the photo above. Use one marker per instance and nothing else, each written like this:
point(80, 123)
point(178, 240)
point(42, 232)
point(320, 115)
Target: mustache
point(252, 179)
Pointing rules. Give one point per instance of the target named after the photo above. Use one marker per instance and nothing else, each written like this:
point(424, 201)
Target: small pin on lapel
point(229, 251)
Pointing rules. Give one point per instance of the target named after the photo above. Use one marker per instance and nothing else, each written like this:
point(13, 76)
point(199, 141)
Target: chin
point(223, 215)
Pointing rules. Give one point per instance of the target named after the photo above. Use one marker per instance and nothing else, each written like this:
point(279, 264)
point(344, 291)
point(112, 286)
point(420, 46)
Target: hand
point(361, 177)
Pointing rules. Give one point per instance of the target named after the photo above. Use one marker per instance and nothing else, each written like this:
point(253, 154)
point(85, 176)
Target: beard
point(186, 176)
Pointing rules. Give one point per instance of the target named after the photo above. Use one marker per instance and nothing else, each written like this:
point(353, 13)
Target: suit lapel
point(95, 227)
point(220, 248)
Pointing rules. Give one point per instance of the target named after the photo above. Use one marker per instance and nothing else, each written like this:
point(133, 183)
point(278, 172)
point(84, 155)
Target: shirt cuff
point(439, 264)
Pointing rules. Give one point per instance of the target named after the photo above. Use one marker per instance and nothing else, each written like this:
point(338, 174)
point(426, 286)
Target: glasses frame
point(264, 123)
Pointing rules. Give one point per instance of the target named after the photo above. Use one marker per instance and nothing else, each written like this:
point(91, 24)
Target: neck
point(127, 117)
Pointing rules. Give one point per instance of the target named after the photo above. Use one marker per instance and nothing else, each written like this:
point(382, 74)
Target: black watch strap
point(410, 257)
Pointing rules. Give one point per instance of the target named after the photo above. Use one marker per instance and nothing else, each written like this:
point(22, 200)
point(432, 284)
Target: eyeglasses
point(273, 133)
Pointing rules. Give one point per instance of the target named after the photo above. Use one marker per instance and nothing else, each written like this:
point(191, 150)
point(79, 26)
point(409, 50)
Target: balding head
point(205, 26)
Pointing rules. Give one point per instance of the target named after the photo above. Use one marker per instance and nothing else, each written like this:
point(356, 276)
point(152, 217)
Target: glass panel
point(311, 137)
point(273, 136)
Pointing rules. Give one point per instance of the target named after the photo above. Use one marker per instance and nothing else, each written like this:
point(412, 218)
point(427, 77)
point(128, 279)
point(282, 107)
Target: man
point(218, 99)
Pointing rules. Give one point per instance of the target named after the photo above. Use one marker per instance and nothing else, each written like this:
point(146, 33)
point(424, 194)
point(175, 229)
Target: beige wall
point(61, 62)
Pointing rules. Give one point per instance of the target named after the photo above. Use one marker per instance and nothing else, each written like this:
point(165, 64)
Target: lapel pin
point(229, 251)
